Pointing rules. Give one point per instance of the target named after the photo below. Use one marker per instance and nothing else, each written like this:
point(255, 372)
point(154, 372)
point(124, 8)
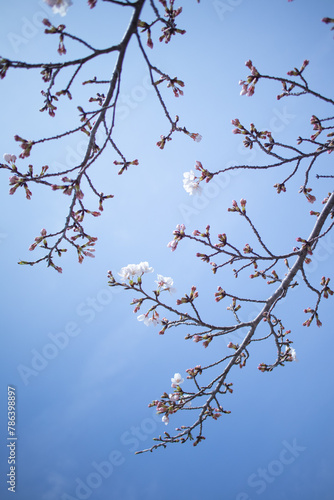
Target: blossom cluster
point(59, 6)
point(132, 270)
point(9, 158)
point(172, 83)
point(191, 183)
point(169, 403)
point(165, 283)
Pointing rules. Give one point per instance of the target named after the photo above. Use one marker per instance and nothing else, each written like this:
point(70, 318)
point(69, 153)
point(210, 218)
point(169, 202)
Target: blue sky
point(82, 409)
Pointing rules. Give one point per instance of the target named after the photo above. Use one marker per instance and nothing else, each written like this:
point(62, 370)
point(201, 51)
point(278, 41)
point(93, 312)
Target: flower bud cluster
point(205, 173)
point(146, 27)
point(298, 72)
point(241, 359)
point(170, 403)
point(234, 307)
point(50, 29)
point(4, 65)
point(170, 28)
point(316, 126)
point(48, 106)
point(247, 248)
point(205, 234)
point(235, 207)
point(38, 240)
point(220, 294)
point(275, 278)
point(125, 165)
point(257, 274)
point(307, 246)
point(222, 239)
point(188, 298)
point(15, 181)
point(314, 314)
point(326, 290)
point(172, 82)
point(248, 86)
point(68, 188)
point(307, 193)
point(163, 140)
point(25, 145)
point(179, 233)
point(280, 187)
point(192, 372)
point(328, 20)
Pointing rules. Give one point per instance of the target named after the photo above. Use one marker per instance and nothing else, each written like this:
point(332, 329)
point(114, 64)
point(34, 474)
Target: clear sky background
point(84, 412)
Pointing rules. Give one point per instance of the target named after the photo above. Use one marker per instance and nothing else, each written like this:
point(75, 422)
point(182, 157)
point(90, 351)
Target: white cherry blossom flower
point(176, 380)
point(9, 158)
point(292, 354)
point(155, 318)
point(190, 184)
point(131, 270)
point(145, 318)
point(165, 283)
point(148, 321)
point(145, 268)
point(165, 419)
point(174, 397)
point(59, 6)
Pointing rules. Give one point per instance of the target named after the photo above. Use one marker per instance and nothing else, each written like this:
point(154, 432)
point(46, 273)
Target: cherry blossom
point(176, 380)
point(196, 137)
point(9, 158)
point(165, 419)
point(145, 268)
point(59, 6)
point(145, 318)
point(165, 283)
point(291, 354)
point(131, 270)
point(190, 184)
point(149, 321)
